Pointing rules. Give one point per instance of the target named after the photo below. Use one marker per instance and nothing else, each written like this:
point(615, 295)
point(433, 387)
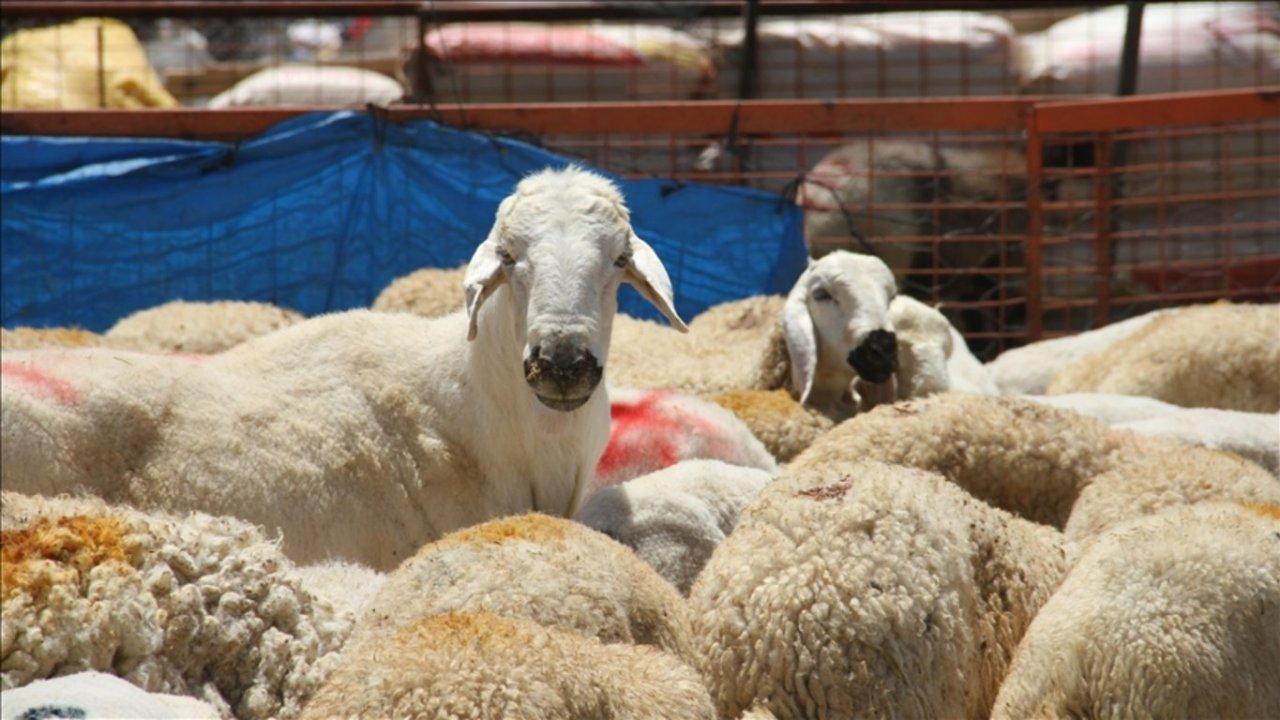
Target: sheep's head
point(835, 323)
point(561, 245)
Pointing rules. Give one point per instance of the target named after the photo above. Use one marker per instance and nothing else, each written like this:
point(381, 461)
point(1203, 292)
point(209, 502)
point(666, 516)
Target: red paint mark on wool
point(39, 382)
point(638, 430)
point(651, 434)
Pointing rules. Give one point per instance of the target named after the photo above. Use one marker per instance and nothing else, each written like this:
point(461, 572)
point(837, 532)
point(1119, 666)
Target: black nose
point(876, 358)
point(566, 367)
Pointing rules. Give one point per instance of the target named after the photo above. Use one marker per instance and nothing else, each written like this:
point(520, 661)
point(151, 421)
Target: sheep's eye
point(622, 260)
point(821, 295)
point(505, 257)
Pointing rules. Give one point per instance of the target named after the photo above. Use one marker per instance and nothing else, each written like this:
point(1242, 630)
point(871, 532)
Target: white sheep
point(362, 435)
point(1030, 369)
point(1222, 355)
point(197, 327)
point(429, 292)
point(27, 338)
point(834, 317)
point(932, 357)
point(674, 518)
point(553, 571)
point(97, 696)
point(1045, 464)
point(481, 666)
point(779, 421)
point(1254, 436)
point(868, 590)
point(348, 587)
point(1172, 615)
point(198, 605)
point(654, 429)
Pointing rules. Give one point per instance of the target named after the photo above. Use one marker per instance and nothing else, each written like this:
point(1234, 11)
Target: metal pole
point(750, 56)
point(1128, 83)
point(1115, 160)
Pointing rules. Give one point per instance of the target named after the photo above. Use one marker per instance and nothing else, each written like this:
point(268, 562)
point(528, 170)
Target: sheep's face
point(561, 244)
point(836, 323)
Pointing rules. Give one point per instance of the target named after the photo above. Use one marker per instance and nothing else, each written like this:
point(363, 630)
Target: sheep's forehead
point(580, 208)
point(855, 274)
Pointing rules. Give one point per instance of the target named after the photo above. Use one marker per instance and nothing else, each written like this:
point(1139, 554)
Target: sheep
point(1253, 436)
point(834, 317)
point(98, 695)
point(550, 570)
point(1222, 356)
point(429, 292)
point(197, 327)
point(197, 605)
point(25, 338)
point(783, 425)
point(674, 518)
point(654, 429)
point(480, 666)
point(1030, 369)
point(868, 590)
point(1172, 615)
point(739, 320)
point(348, 587)
point(1047, 465)
point(931, 357)
point(361, 435)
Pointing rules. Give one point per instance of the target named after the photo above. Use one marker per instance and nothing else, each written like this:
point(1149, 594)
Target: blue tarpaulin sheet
point(319, 214)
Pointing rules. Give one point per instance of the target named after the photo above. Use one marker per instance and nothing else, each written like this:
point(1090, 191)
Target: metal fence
point(1021, 217)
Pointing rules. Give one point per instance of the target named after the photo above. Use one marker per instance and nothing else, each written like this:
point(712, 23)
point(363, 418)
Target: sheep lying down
point(362, 435)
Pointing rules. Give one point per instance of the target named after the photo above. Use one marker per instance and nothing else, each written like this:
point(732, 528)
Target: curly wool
point(26, 338)
point(197, 327)
point(550, 570)
point(779, 421)
point(751, 318)
point(479, 666)
point(1217, 356)
point(429, 292)
point(199, 605)
point(869, 590)
point(1045, 464)
point(1173, 615)
point(654, 429)
point(674, 518)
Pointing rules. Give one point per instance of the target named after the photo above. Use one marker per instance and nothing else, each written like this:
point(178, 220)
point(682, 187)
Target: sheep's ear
point(484, 275)
point(802, 343)
point(646, 273)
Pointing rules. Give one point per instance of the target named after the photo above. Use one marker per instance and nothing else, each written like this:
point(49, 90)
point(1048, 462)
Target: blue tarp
point(319, 214)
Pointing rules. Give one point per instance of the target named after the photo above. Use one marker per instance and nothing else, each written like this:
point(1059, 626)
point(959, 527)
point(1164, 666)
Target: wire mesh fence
point(438, 52)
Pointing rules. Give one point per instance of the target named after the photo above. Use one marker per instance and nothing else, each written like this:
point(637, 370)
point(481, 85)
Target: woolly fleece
point(674, 518)
point(1047, 465)
point(198, 605)
point(429, 292)
point(479, 666)
point(197, 327)
point(553, 571)
point(1172, 615)
point(779, 421)
point(869, 590)
point(654, 429)
point(25, 338)
point(1219, 356)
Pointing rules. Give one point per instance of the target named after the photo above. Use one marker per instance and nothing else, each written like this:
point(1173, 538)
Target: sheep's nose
point(562, 374)
point(876, 357)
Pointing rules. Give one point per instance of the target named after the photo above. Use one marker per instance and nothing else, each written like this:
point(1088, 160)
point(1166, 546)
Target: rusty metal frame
point(753, 117)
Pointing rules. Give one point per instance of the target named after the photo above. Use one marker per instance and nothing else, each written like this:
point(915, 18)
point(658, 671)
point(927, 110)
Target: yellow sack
point(57, 67)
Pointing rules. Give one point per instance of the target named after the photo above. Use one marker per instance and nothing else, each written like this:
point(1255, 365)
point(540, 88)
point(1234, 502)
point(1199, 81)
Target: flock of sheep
point(817, 506)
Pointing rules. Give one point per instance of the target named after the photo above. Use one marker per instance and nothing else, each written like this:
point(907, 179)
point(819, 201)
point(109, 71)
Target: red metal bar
point(1102, 187)
point(803, 117)
point(1035, 226)
point(472, 11)
point(1167, 109)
